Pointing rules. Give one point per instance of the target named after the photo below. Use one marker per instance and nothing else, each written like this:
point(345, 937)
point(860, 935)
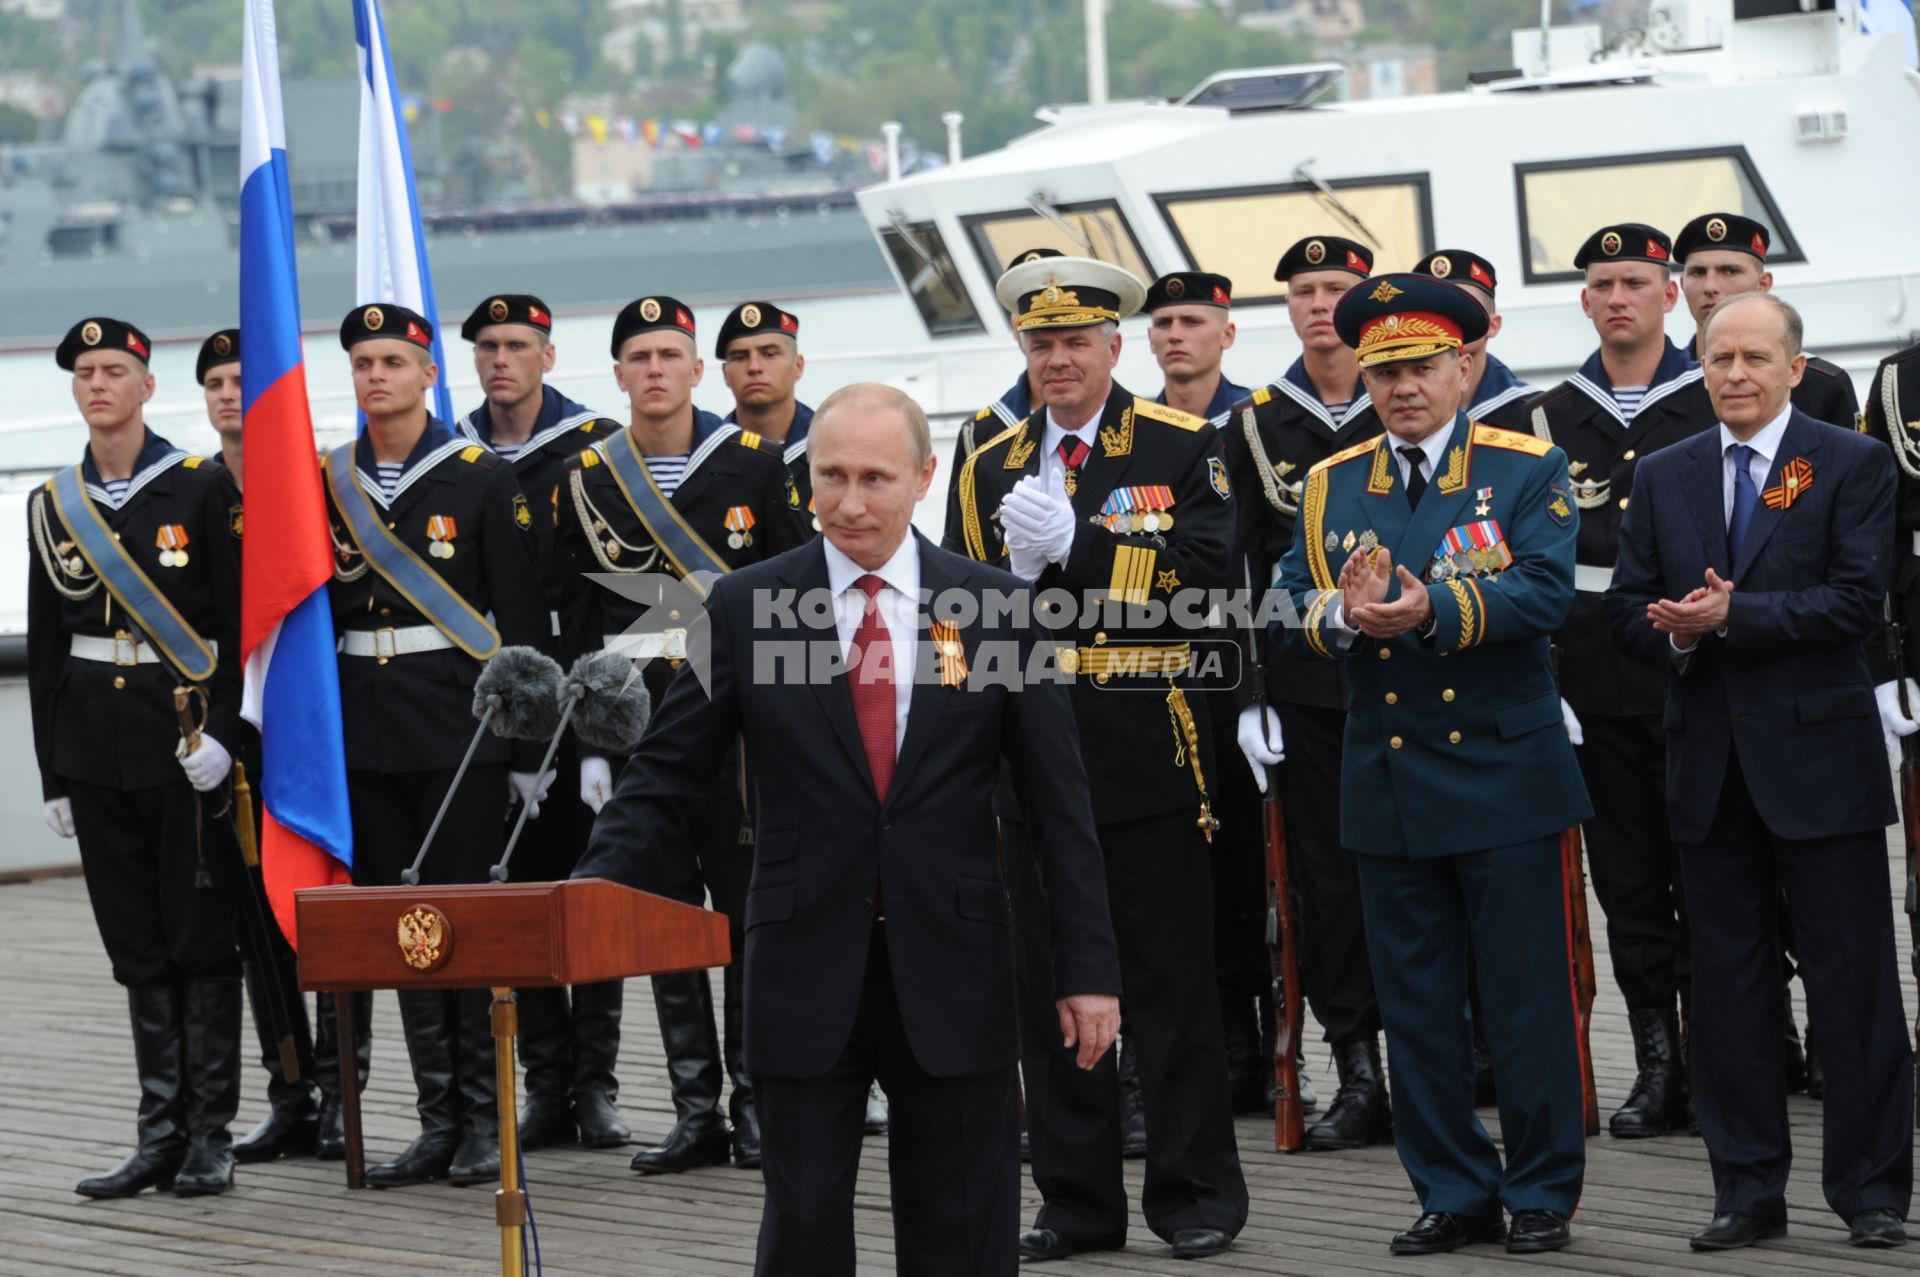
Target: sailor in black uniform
point(1496, 397)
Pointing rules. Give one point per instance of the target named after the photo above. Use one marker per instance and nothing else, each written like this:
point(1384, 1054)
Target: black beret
point(1325, 252)
point(1032, 255)
point(1625, 242)
point(221, 348)
point(1457, 266)
point(647, 315)
point(1189, 288)
point(100, 333)
point(749, 318)
point(508, 308)
point(1728, 231)
point(386, 320)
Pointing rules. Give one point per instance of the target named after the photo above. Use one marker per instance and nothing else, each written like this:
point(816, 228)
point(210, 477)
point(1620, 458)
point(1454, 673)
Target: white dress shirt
point(899, 604)
point(1053, 471)
point(1765, 445)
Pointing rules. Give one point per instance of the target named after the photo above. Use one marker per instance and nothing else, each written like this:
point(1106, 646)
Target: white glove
point(1260, 741)
point(596, 783)
point(60, 816)
point(530, 789)
point(1572, 721)
point(1894, 724)
point(1036, 521)
point(207, 766)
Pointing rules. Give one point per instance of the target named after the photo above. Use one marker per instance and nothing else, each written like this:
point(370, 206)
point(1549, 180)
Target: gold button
point(1393, 698)
point(1627, 455)
point(119, 682)
point(1395, 742)
point(1623, 503)
point(1447, 695)
point(1453, 738)
point(390, 523)
point(1101, 637)
point(1100, 679)
point(386, 611)
point(674, 615)
point(1385, 653)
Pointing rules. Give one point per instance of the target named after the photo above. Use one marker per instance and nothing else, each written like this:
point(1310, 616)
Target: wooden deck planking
point(66, 1110)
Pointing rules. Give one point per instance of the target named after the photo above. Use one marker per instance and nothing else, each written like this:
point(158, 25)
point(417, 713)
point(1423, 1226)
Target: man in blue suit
point(1457, 778)
point(1754, 564)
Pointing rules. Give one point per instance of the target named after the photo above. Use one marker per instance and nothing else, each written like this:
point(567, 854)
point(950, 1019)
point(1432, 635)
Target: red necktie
point(1073, 451)
point(874, 705)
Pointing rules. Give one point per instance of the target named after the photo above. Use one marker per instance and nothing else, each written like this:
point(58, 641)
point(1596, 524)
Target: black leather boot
point(1246, 1079)
point(1790, 1050)
point(476, 1160)
point(699, 1136)
point(740, 1103)
point(1359, 1114)
point(291, 1126)
point(1658, 1101)
point(212, 1076)
point(330, 1134)
point(545, 1044)
point(1816, 1071)
point(158, 1051)
point(426, 1016)
point(596, 1050)
point(1133, 1105)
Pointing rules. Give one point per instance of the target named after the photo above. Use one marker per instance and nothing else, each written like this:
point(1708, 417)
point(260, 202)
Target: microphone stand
point(498, 873)
point(411, 874)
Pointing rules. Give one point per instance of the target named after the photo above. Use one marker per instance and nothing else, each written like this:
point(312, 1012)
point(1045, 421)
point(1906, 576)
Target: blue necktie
point(1746, 498)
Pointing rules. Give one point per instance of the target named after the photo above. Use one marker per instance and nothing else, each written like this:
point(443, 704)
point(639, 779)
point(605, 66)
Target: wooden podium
point(495, 936)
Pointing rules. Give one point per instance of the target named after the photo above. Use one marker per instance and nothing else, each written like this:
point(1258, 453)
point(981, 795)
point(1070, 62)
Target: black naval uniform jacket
point(1294, 432)
point(1892, 415)
point(562, 429)
point(1127, 728)
point(792, 452)
point(1596, 677)
point(598, 531)
point(414, 713)
point(1825, 392)
point(1502, 399)
point(114, 725)
point(1004, 413)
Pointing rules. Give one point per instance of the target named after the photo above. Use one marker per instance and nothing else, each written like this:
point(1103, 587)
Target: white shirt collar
point(1434, 446)
point(1766, 442)
point(1055, 432)
point(901, 572)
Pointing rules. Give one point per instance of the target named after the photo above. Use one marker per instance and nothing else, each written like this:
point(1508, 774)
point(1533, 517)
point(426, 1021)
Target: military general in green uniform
point(1436, 562)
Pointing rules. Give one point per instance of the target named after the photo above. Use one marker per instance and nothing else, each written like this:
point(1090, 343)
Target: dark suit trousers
point(1837, 893)
point(1635, 867)
point(1509, 902)
point(953, 1157)
point(1159, 885)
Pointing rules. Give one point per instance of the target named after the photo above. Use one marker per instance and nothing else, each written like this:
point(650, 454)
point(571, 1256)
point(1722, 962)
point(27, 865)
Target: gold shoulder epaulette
point(983, 414)
point(748, 439)
point(589, 459)
point(1009, 433)
point(1262, 395)
point(1166, 413)
point(1512, 440)
point(473, 453)
point(194, 463)
point(1347, 454)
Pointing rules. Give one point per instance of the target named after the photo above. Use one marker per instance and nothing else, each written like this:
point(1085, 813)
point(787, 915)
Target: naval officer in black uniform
point(1636, 393)
point(433, 572)
point(1105, 491)
point(1297, 721)
point(677, 491)
point(134, 597)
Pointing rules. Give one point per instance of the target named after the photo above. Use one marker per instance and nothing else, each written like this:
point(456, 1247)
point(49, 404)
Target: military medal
point(1333, 542)
point(739, 523)
point(1349, 542)
point(441, 531)
point(172, 540)
point(1483, 496)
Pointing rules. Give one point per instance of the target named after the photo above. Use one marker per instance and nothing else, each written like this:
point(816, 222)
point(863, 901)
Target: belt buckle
point(386, 644)
point(126, 648)
point(674, 647)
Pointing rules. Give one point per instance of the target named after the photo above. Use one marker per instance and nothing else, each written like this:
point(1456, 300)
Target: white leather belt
point(121, 649)
point(387, 643)
point(1591, 579)
point(671, 644)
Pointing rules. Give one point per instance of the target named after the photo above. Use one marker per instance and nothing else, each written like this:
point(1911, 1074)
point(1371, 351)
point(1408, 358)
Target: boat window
point(920, 257)
point(1096, 229)
point(1563, 202)
point(1241, 232)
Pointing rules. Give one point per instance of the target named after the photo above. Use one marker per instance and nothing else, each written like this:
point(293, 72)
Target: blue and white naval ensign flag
point(392, 259)
point(1894, 18)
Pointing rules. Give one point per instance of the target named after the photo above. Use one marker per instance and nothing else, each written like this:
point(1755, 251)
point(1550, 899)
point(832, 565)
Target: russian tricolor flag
point(286, 626)
point(391, 263)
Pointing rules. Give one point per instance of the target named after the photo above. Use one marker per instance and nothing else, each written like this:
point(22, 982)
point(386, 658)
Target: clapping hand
point(1702, 612)
point(1364, 583)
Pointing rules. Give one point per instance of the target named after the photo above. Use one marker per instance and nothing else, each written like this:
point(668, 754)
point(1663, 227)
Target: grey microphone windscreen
point(527, 681)
point(614, 705)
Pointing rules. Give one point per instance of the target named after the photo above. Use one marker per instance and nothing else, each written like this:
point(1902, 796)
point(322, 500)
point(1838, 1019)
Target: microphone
point(516, 688)
point(607, 705)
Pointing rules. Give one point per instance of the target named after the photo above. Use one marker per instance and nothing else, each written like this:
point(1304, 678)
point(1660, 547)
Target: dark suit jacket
point(1787, 689)
point(825, 840)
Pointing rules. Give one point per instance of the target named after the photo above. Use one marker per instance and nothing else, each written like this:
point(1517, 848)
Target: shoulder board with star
point(1512, 440)
point(1345, 455)
point(1166, 413)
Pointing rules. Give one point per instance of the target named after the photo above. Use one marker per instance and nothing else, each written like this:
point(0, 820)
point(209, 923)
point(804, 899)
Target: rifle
point(1580, 958)
point(1283, 959)
point(1909, 810)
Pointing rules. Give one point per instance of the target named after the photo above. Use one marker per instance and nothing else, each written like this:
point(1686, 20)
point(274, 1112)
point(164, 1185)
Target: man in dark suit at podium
point(1754, 563)
point(878, 930)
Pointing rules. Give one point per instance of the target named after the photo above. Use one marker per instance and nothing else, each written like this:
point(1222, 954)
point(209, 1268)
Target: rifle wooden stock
point(1580, 962)
point(1283, 957)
